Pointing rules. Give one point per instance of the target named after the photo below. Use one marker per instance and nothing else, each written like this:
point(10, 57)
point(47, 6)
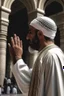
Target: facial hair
point(35, 43)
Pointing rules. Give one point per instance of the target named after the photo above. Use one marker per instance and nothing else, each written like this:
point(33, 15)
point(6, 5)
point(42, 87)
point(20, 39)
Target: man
point(46, 77)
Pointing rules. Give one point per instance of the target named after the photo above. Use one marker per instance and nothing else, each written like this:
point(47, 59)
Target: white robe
point(0, 90)
point(22, 74)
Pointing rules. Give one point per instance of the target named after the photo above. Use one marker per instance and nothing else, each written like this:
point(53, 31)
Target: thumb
point(9, 46)
point(10, 49)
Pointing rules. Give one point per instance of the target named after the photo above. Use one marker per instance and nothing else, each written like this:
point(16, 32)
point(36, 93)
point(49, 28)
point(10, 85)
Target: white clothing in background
point(8, 89)
point(14, 90)
point(0, 91)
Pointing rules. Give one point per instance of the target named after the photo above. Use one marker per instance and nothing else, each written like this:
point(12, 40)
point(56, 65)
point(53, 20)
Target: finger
point(15, 39)
point(9, 48)
point(12, 41)
point(11, 51)
point(18, 41)
point(9, 45)
point(21, 45)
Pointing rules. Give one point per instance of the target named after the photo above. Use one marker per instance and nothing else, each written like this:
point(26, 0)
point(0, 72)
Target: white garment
point(20, 69)
point(23, 74)
point(8, 81)
point(14, 90)
point(31, 56)
point(0, 90)
point(8, 89)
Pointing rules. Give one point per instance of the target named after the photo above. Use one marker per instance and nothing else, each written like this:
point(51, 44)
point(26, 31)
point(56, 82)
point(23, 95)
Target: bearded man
point(46, 78)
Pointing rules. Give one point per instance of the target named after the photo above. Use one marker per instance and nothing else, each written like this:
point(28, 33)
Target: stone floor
point(13, 95)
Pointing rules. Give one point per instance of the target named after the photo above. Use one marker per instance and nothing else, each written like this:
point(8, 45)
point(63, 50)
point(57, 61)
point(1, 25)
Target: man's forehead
point(31, 27)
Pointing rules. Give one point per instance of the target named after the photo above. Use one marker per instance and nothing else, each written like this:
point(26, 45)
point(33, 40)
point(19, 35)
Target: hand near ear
point(15, 48)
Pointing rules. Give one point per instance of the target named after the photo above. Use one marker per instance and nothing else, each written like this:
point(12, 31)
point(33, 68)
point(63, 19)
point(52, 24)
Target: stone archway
point(60, 24)
point(18, 24)
point(57, 15)
point(30, 5)
point(51, 8)
point(4, 22)
point(34, 10)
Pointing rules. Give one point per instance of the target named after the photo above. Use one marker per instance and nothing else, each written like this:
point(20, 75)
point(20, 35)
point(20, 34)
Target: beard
point(34, 43)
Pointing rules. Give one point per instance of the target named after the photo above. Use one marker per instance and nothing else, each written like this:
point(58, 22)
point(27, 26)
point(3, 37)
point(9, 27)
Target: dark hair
point(48, 39)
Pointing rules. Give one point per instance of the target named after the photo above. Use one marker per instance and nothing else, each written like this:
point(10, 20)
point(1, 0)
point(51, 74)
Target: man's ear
point(40, 35)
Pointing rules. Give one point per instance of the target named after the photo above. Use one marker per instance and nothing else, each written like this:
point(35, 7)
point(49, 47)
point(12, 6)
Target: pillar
point(59, 19)
point(4, 13)
point(61, 28)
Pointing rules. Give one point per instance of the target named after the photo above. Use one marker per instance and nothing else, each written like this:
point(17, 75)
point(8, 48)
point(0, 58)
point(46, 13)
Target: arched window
point(53, 8)
point(18, 24)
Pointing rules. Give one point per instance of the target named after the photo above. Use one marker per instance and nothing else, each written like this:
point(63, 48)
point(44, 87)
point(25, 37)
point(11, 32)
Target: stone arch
point(18, 24)
point(30, 5)
point(47, 2)
point(8, 3)
point(50, 9)
point(41, 4)
point(16, 6)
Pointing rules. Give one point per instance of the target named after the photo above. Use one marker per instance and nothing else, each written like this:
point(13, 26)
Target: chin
point(35, 48)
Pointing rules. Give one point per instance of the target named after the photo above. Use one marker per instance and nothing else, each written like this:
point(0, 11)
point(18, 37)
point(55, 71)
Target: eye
point(30, 32)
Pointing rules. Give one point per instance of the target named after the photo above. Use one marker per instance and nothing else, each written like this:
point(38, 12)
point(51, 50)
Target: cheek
point(40, 38)
point(40, 35)
point(29, 37)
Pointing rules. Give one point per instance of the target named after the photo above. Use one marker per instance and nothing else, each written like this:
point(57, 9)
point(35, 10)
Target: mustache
point(29, 42)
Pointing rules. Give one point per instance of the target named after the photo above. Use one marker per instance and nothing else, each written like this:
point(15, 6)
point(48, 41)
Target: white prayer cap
point(46, 25)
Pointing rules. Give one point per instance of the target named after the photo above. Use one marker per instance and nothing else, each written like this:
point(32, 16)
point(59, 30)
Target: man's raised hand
point(15, 48)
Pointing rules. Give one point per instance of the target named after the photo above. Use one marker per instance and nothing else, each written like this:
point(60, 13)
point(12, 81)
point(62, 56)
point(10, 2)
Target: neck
point(45, 44)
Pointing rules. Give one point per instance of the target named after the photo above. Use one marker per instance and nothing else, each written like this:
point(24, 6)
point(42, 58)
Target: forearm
point(22, 75)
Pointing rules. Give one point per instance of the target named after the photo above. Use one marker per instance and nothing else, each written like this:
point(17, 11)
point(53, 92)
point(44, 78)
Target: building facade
point(10, 10)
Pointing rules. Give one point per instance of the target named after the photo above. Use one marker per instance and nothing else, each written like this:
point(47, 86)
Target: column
point(61, 28)
point(4, 13)
point(59, 19)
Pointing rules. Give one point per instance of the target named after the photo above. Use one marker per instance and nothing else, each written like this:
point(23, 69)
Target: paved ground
point(12, 95)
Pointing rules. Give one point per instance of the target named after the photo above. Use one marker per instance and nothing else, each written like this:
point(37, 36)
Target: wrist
point(16, 59)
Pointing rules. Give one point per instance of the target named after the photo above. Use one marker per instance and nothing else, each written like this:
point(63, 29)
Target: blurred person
point(8, 86)
point(8, 89)
point(8, 81)
point(14, 89)
point(5, 85)
point(0, 90)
